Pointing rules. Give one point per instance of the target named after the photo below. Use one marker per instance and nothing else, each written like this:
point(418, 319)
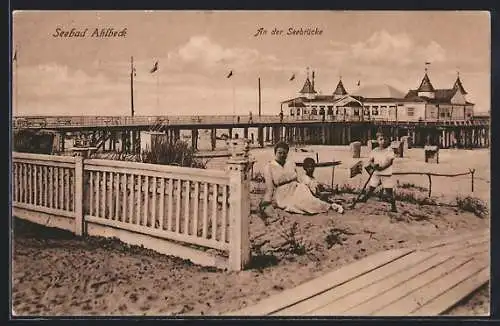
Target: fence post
point(239, 211)
point(472, 179)
point(78, 199)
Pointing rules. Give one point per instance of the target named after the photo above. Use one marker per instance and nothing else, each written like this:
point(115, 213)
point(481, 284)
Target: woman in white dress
point(283, 189)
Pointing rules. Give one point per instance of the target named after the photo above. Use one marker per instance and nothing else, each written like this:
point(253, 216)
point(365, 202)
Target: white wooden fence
point(196, 214)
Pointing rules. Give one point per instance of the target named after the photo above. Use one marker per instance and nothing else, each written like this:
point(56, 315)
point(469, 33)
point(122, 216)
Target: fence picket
point(68, 193)
point(196, 207)
point(153, 203)
point(116, 179)
point(146, 202)
point(124, 202)
point(131, 182)
point(121, 199)
point(162, 203)
point(35, 184)
point(51, 187)
point(224, 214)
point(214, 211)
point(186, 207)
point(91, 193)
point(178, 207)
point(205, 210)
point(60, 188)
point(139, 199)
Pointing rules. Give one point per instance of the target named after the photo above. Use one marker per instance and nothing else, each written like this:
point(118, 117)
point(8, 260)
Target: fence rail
point(430, 175)
point(174, 210)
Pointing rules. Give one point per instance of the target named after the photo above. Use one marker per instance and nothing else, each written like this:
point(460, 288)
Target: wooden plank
point(34, 183)
point(420, 297)
point(164, 234)
point(160, 245)
point(373, 290)
point(473, 251)
point(393, 291)
point(338, 292)
point(321, 284)
point(449, 298)
point(52, 219)
point(42, 157)
point(458, 238)
point(46, 186)
point(458, 246)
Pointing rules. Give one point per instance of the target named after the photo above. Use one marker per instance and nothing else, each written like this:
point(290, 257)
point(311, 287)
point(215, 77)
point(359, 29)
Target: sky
point(197, 49)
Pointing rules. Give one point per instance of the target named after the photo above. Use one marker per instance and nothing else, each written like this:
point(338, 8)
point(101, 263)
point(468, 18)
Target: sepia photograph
point(250, 163)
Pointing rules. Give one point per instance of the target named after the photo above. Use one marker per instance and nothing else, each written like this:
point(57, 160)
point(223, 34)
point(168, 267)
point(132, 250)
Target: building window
point(374, 110)
point(314, 111)
point(330, 110)
point(291, 112)
point(305, 111)
point(298, 111)
point(410, 112)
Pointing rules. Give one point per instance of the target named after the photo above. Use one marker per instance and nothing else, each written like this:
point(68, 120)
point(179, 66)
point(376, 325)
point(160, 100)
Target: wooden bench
point(425, 281)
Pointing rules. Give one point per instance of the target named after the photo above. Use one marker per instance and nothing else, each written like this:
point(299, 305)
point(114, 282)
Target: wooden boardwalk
point(423, 281)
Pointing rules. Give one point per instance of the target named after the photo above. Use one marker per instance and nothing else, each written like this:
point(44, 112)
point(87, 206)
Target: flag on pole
point(155, 67)
point(427, 63)
point(14, 59)
point(230, 74)
point(293, 77)
point(359, 82)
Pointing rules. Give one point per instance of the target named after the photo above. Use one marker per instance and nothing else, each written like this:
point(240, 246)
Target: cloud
point(201, 52)
point(383, 48)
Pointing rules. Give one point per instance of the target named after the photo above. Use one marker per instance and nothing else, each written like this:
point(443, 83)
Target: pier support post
point(260, 136)
point(245, 133)
point(213, 138)
point(194, 139)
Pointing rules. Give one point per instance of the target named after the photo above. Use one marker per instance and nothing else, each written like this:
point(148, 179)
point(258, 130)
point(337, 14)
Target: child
point(316, 187)
point(381, 161)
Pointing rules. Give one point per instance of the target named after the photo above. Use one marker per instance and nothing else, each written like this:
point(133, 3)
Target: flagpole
point(132, 86)
point(234, 99)
point(16, 95)
point(158, 92)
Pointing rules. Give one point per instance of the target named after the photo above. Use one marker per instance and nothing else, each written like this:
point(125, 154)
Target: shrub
point(407, 185)
point(473, 205)
point(178, 153)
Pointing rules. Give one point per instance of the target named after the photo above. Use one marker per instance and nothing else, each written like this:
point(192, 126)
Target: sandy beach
point(55, 273)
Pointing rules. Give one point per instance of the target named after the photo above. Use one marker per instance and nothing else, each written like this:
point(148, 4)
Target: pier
point(122, 134)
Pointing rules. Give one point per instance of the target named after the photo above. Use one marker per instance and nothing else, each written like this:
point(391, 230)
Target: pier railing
point(153, 121)
point(196, 214)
